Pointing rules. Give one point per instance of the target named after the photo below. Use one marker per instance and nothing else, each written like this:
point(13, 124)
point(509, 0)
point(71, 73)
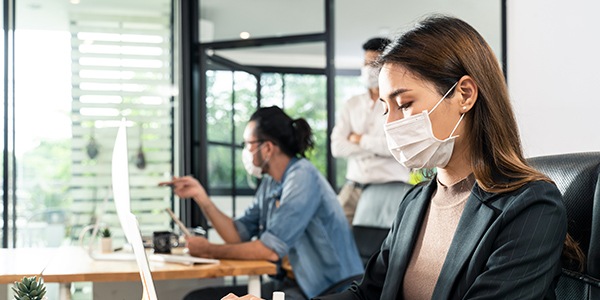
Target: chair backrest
point(368, 240)
point(576, 176)
point(374, 215)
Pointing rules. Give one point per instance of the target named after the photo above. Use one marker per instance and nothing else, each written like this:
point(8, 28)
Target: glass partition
point(79, 68)
point(231, 99)
point(355, 22)
point(246, 19)
point(304, 55)
point(4, 209)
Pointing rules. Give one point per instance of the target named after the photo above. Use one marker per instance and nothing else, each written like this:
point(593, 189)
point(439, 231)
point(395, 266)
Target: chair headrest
point(379, 203)
point(576, 176)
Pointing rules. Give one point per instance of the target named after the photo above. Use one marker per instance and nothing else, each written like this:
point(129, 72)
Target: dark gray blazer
point(506, 246)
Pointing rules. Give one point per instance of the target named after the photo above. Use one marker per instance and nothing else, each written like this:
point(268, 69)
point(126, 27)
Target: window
point(121, 68)
point(300, 95)
point(238, 77)
point(5, 207)
point(303, 96)
point(230, 102)
point(78, 70)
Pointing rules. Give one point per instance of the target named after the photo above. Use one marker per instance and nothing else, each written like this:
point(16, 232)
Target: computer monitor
point(129, 224)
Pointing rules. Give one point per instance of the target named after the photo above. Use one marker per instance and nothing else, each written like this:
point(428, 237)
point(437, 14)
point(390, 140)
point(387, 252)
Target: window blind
point(121, 67)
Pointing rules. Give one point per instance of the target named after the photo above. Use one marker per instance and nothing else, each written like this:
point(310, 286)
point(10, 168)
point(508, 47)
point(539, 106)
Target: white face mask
point(369, 76)
point(247, 160)
point(412, 143)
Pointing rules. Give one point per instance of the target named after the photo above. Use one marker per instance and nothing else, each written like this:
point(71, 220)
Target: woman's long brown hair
point(441, 50)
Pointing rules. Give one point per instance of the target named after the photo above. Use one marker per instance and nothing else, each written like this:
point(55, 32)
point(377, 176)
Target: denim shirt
point(301, 217)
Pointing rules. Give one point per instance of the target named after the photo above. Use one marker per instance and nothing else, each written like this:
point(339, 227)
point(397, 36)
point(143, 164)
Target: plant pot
point(106, 245)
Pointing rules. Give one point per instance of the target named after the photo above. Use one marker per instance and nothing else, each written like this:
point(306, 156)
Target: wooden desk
point(73, 264)
point(14, 264)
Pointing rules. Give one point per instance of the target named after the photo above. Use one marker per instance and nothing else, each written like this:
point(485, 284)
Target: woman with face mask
point(487, 225)
point(295, 216)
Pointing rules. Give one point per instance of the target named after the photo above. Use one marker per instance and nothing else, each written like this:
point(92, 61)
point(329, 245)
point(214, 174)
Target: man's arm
point(341, 146)
point(376, 144)
point(221, 222)
point(200, 247)
point(189, 187)
point(374, 139)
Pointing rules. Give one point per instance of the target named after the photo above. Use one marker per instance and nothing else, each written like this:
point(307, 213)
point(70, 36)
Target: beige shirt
point(435, 236)
point(370, 161)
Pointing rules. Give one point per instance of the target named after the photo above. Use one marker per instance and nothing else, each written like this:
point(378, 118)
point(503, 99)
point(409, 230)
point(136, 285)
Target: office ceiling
point(355, 22)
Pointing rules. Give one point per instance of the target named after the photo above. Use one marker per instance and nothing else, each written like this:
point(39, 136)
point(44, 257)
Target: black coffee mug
point(164, 240)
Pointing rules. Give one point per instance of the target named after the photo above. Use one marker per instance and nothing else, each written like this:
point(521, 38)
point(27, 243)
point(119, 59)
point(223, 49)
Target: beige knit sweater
point(435, 236)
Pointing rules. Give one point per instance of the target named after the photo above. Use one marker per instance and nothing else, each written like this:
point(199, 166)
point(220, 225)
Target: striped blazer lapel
point(473, 223)
point(404, 239)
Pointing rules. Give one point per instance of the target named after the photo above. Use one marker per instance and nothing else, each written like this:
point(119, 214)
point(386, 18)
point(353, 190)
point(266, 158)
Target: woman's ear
point(468, 91)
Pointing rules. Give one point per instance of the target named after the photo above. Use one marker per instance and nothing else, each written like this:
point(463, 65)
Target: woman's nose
point(394, 115)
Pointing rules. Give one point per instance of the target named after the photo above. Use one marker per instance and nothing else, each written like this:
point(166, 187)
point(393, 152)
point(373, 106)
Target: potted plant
point(31, 288)
point(105, 240)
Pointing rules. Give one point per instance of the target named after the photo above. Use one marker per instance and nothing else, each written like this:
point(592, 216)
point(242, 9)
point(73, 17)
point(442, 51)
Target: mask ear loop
point(444, 97)
point(265, 161)
point(257, 148)
point(459, 120)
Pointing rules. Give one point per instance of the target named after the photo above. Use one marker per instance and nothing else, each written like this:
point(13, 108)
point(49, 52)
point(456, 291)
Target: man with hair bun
point(294, 220)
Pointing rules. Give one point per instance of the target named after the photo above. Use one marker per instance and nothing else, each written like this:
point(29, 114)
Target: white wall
point(554, 74)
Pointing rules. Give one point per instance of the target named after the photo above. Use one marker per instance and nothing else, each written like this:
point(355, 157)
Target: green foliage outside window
point(305, 97)
point(48, 171)
point(231, 99)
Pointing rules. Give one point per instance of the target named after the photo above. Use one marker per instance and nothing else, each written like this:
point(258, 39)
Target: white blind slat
point(121, 66)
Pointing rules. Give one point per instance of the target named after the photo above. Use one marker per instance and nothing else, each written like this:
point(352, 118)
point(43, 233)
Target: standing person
point(487, 226)
point(295, 216)
point(358, 136)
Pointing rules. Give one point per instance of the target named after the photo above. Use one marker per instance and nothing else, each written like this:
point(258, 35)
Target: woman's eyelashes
point(385, 106)
point(405, 106)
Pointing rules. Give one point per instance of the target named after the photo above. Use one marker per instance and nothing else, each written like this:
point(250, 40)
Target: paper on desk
point(129, 224)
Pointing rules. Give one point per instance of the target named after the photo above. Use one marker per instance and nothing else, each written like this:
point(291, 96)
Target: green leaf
point(22, 286)
point(17, 293)
point(33, 285)
point(29, 288)
point(25, 282)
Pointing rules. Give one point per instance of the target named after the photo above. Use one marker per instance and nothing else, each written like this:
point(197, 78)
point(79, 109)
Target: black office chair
point(576, 175)
point(373, 218)
point(374, 215)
